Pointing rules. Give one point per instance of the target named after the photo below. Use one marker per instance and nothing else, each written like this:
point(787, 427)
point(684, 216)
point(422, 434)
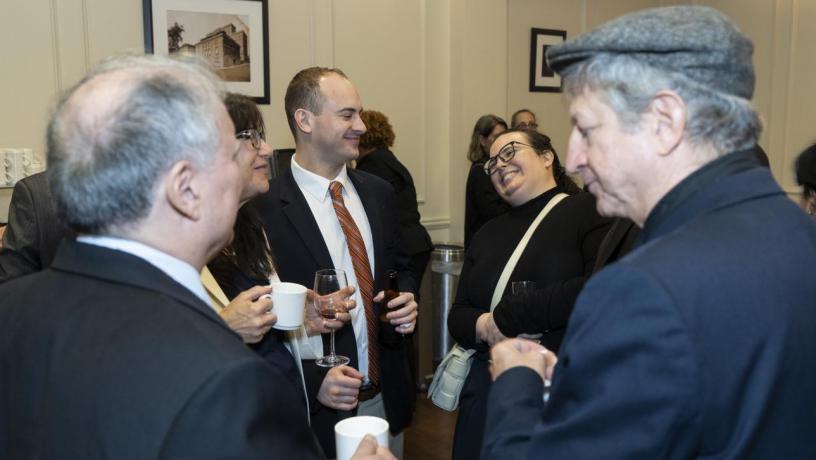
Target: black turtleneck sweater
point(559, 258)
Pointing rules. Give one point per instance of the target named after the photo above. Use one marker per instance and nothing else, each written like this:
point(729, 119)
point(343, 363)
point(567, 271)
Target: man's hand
point(519, 352)
point(369, 450)
point(340, 388)
point(317, 324)
point(249, 314)
point(404, 311)
point(487, 331)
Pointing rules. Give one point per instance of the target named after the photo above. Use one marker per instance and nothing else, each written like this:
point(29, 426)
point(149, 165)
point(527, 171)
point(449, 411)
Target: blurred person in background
point(524, 119)
point(377, 158)
point(33, 233)
point(806, 177)
point(482, 203)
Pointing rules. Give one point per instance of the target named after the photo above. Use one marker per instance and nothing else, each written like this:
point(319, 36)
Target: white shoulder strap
point(511, 263)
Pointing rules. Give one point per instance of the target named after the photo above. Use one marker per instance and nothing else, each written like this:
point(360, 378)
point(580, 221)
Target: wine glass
point(525, 289)
point(328, 303)
point(522, 287)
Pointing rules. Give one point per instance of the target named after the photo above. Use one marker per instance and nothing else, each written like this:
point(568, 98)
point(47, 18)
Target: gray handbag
point(449, 377)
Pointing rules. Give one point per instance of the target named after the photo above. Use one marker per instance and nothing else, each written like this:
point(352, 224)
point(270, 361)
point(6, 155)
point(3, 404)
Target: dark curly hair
point(379, 133)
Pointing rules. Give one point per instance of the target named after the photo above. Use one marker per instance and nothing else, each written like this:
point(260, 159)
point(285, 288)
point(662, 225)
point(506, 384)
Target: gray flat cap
point(698, 42)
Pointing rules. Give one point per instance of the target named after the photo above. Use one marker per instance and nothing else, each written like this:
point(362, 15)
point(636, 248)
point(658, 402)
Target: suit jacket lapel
point(297, 210)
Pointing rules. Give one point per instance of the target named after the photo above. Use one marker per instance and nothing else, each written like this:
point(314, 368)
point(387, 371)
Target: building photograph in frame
point(229, 35)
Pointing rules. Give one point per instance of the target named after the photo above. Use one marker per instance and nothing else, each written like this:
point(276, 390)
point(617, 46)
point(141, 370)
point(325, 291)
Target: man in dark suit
point(699, 343)
point(28, 246)
point(317, 215)
point(113, 351)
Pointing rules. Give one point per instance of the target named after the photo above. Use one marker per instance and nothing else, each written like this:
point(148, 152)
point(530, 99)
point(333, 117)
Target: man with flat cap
point(114, 351)
point(699, 343)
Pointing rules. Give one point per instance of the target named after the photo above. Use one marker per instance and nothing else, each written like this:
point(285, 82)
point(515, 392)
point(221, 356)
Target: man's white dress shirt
point(316, 190)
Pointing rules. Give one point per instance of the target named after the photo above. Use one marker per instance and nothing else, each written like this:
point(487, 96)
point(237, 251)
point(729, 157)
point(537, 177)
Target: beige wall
point(434, 66)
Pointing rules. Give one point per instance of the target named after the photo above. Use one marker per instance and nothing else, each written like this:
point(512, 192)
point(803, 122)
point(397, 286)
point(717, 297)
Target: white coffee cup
point(288, 301)
point(349, 432)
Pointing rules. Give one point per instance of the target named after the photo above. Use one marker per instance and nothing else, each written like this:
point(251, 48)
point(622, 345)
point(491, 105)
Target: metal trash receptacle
point(446, 266)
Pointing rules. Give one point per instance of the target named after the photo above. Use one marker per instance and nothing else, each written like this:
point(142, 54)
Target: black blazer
point(131, 365)
point(384, 164)
point(34, 232)
point(300, 251)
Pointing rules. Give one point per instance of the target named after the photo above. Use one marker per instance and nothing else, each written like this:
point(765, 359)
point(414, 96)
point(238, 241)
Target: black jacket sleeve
point(248, 411)
point(20, 254)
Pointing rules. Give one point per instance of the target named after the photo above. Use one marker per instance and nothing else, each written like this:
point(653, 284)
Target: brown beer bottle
point(389, 337)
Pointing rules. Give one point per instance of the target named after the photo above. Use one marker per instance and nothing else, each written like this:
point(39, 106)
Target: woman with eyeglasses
point(482, 203)
point(558, 256)
point(242, 271)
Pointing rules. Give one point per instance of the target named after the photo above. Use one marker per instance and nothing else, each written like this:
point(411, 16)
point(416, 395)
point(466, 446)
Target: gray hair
point(723, 121)
point(117, 132)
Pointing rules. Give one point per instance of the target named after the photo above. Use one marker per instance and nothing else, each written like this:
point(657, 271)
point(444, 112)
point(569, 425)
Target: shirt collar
point(180, 271)
point(316, 185)
point(680, 199)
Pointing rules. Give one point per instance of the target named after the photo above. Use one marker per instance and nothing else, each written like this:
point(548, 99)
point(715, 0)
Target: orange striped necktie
point(362, 270)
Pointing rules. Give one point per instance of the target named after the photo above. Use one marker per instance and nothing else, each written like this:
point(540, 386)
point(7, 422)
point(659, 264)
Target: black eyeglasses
point(505, 154)
point(255, 137)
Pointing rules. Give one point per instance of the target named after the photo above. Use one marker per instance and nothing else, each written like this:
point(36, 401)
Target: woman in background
point(376, 158)
point(482, 203)
point(558, 257)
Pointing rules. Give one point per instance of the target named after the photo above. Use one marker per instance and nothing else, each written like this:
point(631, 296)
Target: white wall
point(434, 66)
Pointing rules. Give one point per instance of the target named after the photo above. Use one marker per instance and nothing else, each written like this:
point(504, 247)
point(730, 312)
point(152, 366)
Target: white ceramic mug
point(288, 301)
point(349, 432)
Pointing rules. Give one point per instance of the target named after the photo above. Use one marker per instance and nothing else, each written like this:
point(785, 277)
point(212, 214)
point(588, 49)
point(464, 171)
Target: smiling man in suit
point(114, 351)
point(319, 215)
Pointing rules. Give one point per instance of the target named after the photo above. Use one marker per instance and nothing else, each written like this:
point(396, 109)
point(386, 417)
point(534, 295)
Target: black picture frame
point(542, 78)
point(237, 53)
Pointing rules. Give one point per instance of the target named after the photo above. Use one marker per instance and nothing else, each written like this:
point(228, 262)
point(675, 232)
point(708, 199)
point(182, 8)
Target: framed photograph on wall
point(542, 77)
point(231, 35)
